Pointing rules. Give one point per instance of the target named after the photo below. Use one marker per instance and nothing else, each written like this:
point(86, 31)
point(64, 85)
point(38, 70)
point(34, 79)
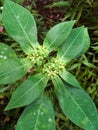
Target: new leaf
point(57, 35)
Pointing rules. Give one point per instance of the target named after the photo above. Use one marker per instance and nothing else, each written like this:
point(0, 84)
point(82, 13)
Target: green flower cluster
point(38, 56)
point(43, 63)
point(53, 67)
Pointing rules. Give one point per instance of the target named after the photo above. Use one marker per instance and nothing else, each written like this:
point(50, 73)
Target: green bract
point(66, 44)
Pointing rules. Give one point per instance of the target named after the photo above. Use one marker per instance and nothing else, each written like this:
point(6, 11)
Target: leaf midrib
point(70, 45)
point(58, 36)
point(27, 92)
point(17, 68)
point(41, 104)
point(38, 114)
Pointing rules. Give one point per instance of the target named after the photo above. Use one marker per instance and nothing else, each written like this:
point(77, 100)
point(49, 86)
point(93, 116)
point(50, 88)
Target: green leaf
point(89, 2)
point(3, 89)
point(86, 42)
point(6, 52)
point(20, 25)
point(59, 4)
point(89, 65)
point(28, 91)
point(76, 105)
point(73, 45)
point(69, 78)
point(57, 35)
point(38, 116)
point(11, 68)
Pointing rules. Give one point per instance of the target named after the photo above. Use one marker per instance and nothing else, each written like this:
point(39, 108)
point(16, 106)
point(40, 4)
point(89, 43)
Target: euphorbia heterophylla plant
point(67, 44)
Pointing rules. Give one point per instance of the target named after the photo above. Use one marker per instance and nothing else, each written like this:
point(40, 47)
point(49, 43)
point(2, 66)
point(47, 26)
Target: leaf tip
point(6, 108)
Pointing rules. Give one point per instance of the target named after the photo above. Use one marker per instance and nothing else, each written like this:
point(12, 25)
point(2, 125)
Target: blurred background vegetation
point(48, 13)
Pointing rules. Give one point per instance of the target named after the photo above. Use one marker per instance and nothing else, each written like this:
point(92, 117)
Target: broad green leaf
point(11, 68)
point(69, 78)
point(72, 46)
point(28, 91)
point(38, 116)
point(57, 35)
point(6, 52)
point(76, 105)
point(86, 42)
point(20, 25)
